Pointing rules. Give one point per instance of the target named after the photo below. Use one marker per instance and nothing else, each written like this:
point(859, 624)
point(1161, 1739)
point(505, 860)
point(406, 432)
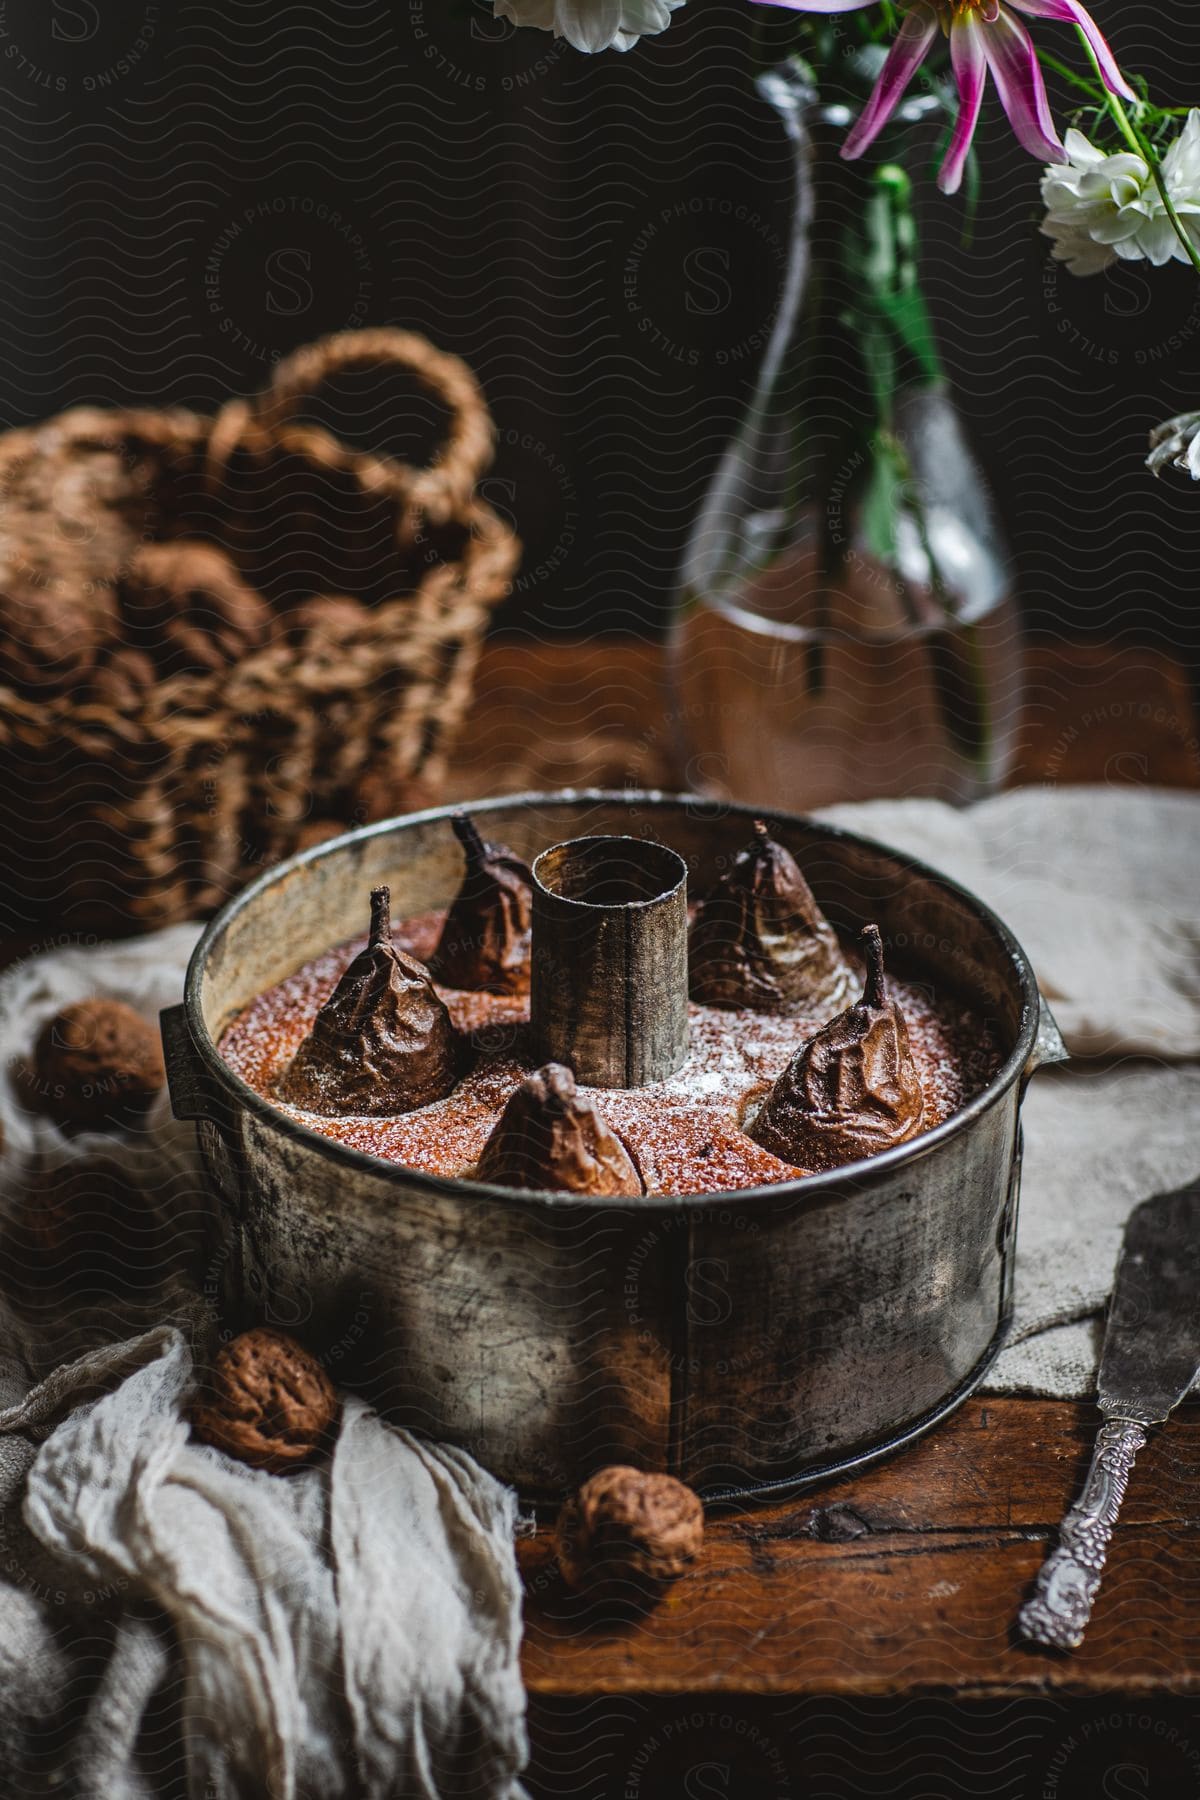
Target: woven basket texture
point(222, 638)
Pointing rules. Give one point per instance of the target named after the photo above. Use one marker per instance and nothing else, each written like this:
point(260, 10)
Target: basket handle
point(442, 489)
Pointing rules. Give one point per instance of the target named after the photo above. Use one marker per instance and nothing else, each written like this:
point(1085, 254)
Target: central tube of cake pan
point(609, 992)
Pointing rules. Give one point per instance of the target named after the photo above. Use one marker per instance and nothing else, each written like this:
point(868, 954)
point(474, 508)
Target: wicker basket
point(145, 804)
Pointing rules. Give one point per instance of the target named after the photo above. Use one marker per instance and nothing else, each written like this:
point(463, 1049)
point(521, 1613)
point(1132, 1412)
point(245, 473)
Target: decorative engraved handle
point(1061, 1606)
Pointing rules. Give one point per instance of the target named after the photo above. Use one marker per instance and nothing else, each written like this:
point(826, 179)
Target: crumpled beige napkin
point(351, 1628)
point(1101, 886)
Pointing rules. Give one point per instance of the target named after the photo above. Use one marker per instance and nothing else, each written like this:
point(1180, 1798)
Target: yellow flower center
point(987, 10)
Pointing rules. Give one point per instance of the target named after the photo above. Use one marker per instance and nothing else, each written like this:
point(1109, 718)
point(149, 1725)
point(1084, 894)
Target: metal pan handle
point(1048, 1046)
point(192, 1094)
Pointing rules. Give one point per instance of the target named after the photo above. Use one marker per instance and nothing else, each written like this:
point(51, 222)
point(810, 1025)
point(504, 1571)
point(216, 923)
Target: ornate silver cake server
point(1151, 1358)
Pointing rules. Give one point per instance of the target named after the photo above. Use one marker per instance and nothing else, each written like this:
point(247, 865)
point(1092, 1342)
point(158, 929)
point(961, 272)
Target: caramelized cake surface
point(685, 1134)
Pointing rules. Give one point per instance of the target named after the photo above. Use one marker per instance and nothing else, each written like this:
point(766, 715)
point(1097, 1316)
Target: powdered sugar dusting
point(685, 1133)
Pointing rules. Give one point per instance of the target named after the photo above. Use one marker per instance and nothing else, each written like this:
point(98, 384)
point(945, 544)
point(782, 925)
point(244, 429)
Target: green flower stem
point(1150, 155)
point(1094, 90)
point(1141, 146)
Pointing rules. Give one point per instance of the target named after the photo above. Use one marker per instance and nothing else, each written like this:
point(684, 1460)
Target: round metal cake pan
point(744, 1341)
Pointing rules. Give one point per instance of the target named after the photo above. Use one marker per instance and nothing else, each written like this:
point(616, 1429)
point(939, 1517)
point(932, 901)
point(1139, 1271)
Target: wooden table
point(860, 1640)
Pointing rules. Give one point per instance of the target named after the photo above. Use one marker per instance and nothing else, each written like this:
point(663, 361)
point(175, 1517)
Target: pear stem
point(467, 833)
point(875, 990)
point(381, 917)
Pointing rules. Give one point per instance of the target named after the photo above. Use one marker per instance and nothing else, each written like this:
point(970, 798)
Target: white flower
point(1176, 444)
point(592, 24)
point(1100, 208)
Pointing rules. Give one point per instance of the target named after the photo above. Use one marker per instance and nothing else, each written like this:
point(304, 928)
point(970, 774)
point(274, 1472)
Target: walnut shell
point(63, 1208)
point(76, 502)
point(85, 1219)
point(96, 1065)
point(268, 1402)
point(625, 1529)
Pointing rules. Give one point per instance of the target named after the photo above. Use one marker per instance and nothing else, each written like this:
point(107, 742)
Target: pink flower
point(984, 34)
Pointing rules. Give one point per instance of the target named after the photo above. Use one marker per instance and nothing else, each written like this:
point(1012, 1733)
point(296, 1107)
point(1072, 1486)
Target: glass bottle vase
point(845, 626)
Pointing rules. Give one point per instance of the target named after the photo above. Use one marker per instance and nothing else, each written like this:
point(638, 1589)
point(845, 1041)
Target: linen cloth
point(172, 1621)
point(354, 1627)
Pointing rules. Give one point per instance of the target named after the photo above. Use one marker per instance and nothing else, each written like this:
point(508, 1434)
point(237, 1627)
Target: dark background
point(192, 189)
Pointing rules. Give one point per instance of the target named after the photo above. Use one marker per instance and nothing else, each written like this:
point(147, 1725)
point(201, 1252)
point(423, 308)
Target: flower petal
point(1192, 458)
point(824, 6)
point(1013, 61)
point(1121, 168)
point(1075, 248)
point(970, 72)
point(1181, 164)
point(1118, 227)
point(1081, 151)
point(591, 26)
point(1176, 444)
point(1158, 243)
point(903, 60)
point(1075, 14)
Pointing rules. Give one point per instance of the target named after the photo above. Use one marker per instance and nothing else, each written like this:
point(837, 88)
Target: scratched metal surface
point(736, 1339)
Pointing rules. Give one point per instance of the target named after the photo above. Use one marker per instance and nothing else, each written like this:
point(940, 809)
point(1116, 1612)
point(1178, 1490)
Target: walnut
point(627, 1530)
point(75, 502)
point(185, 604)
point(96, 1065)
point(82, 1219)
point(268, 1403)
